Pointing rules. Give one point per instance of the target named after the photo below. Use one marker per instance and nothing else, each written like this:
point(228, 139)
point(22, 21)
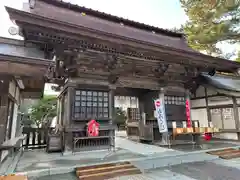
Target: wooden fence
point(36, 138)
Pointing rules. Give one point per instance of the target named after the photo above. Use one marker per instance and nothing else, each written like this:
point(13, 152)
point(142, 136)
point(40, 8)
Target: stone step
point(10, 177)
point(220, 151)
point(231, 155)
point(106, 171)
point(228, 153)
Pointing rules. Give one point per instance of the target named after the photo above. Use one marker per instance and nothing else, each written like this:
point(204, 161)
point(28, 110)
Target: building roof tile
point(106, 23)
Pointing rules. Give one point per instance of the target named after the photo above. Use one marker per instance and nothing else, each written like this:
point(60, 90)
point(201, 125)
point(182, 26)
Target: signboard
point(161, 115)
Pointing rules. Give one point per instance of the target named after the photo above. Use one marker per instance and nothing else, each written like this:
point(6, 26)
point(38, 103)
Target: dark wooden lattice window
point(174, 100)
point(91, 104)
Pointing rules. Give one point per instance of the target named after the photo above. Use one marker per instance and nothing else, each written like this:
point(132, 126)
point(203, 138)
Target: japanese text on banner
point(161, 116)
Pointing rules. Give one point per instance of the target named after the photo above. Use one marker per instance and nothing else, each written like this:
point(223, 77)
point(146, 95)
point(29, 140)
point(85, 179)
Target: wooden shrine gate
point(99, 56)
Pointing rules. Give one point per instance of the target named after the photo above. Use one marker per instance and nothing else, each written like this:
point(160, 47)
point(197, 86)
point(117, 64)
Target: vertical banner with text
point(188, 112)
point(161, 115)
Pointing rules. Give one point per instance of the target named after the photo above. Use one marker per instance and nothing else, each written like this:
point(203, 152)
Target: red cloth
point(189, 123)
point(93, 128)
point(207, 136)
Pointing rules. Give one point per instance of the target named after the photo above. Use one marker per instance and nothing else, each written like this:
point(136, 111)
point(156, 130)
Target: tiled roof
point(110, 17)
point(112, 25)
point(228, 83)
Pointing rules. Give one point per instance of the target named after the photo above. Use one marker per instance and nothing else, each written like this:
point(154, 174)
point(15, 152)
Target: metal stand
point(112, 149)
point(111, 152)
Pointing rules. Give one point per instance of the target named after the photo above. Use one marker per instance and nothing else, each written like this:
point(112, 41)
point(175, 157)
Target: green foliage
point(119, 116)
point(178, 30)
point(210, 22)
point(46, 107)
point(238, 58)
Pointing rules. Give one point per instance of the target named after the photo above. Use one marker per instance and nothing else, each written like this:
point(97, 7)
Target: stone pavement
point(189, 171)
point(153, 161)
point(41, 161)
point(203, 170)
point(139, 148)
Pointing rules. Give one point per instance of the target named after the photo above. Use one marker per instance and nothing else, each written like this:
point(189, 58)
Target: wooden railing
point(36, 138)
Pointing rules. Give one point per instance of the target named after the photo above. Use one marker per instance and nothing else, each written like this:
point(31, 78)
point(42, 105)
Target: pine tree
point(238, 57)
point(210, 22)
point(47, 106)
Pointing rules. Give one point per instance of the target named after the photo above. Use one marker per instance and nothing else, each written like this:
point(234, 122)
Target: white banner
point(161, 115)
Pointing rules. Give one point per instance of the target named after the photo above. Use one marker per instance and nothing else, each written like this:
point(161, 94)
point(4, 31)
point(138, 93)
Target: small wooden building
point(217, 100)
point(22, 69)
point(99, 56)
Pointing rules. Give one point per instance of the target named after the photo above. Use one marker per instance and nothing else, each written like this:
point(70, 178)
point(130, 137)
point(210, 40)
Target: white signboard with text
point(161, 115)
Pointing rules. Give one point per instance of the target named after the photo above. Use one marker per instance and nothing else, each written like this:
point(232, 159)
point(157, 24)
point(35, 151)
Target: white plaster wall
point(229, 123)
point(198, 103)
point(231, 136)
point(201, 116)
point(216, 117)
point(200, 92)
point(213, 101)
point(211, 91)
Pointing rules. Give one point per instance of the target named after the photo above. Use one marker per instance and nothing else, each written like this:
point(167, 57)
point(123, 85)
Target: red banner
point(189, 123)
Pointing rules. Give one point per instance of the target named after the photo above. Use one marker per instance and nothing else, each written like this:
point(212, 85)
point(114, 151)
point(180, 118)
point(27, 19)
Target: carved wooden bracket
point(192, 84)
point(112, 79)
point(162, 83)
point(111, 62)
point(160, 71)
point(192, 71)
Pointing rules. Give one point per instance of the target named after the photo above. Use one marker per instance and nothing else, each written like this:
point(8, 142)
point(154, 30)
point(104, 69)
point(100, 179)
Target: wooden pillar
point(141, 106)
point(68, 142)
point(236, 115)
point(70, 104)
point(3, 118)
point(207, 106)
point(111, 114)
point(165, 139)
point(58, 111)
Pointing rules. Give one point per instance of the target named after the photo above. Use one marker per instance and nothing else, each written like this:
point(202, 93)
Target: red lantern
point(207, 136)
point(93, 128)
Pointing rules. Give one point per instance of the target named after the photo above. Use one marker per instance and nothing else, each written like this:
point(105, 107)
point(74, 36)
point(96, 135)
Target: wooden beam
point(236, 115)
point(207, 106)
